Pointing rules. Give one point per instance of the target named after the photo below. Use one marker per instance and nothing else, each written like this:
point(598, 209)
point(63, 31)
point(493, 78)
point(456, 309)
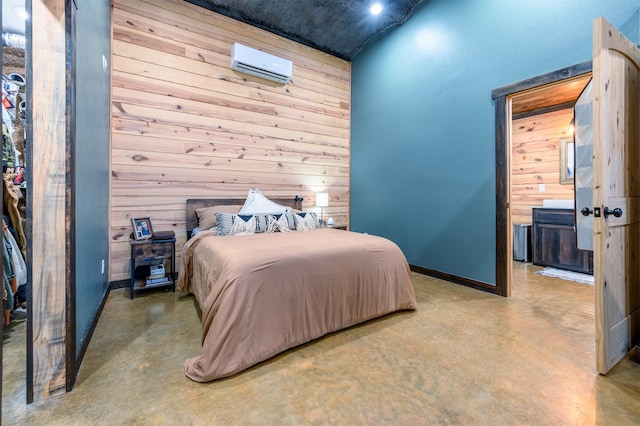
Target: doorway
point(542, 189)
point(15, 186)
point(543, 94)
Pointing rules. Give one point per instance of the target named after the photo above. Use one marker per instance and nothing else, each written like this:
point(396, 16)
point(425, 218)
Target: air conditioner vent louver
point(260, 64)
point(250, 69)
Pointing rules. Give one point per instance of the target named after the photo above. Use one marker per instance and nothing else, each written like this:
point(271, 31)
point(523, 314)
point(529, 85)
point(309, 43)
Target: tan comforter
point(261, 294)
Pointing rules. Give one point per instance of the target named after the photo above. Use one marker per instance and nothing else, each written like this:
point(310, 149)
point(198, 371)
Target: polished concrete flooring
point(464, 357)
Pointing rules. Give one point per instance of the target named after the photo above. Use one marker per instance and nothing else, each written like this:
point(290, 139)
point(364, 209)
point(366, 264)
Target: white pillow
point(240, 227)
point(232, 224)
point(279, 223)
point(229, 224)
point(304, 222)
point(258, 203)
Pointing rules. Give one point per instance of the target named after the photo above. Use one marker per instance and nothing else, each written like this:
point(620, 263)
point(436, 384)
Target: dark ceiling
point(338, 27)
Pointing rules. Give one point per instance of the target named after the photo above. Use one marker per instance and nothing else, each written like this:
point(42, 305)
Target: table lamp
point(322, 201)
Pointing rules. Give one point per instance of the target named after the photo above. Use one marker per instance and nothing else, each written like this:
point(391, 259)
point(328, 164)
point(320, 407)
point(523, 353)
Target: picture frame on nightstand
point(142, 228)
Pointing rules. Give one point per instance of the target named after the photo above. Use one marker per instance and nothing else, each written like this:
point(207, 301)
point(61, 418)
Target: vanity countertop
point(558, 204)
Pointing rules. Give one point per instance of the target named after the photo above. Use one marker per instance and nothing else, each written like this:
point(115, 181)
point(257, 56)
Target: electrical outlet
point(541, 187)
point(102, 267)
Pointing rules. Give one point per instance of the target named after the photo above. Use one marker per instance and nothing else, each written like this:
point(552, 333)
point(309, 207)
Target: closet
point(14, 190)
point(14, 194)
point(67, 191)
point(13, 179)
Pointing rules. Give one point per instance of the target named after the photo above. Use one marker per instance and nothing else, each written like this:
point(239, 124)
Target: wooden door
point(616, 65)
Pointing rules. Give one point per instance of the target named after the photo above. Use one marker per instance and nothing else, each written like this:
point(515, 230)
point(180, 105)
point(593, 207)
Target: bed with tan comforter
point(261, 294)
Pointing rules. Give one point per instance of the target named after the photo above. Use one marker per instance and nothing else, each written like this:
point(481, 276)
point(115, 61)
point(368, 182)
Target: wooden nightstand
point(149, 253)
point(341, 227)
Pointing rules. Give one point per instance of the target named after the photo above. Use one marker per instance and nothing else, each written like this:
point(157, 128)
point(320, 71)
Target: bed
point(263, 293)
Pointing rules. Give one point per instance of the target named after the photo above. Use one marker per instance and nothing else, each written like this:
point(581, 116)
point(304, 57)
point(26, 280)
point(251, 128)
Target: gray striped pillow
point(288, 219)
point(306, 221)
point(249, 223)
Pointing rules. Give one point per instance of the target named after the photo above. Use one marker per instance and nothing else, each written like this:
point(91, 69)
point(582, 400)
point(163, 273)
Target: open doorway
point(615, 142)
point(14, 120)
point(542, 190)
point(550, 95)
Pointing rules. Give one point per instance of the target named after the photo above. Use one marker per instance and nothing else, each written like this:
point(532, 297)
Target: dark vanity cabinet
point(554, 241)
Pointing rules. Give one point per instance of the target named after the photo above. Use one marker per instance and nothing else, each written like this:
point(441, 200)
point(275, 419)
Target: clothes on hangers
point(13, 107)
point(11, 202)
point(8, 150)
point(10, 155)
point(19, 265)
point(9, 277)
point(14, 275)
point(7, 118)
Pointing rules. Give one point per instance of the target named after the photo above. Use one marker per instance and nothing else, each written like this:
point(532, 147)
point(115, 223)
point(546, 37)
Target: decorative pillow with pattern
point(316, 220)
point(272, 226)
point(304, 221)
point(280, 222)
point(286, 220)
point(234, 224)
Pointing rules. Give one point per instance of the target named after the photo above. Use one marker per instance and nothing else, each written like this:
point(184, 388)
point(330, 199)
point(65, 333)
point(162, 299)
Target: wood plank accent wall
point(187, 126)
point(46, 205)
point(535, 160)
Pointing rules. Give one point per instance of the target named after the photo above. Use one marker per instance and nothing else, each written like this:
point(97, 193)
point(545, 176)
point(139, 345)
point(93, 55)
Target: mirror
point(567, 162)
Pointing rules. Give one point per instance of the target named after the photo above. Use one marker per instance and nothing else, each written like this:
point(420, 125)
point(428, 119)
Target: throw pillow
point(304, 221)
point(231, 224)
point(286, 220)
point(280, 222)
point(258, 203)
point(207, 215)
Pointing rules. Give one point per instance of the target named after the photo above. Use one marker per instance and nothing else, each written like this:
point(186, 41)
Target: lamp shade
point(322, 199)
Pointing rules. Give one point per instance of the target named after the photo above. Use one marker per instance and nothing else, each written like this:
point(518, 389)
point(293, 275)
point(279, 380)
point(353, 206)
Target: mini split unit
point(261, 64)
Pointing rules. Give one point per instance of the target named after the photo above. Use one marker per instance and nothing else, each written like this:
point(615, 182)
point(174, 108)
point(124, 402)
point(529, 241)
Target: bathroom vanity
point(554, 241)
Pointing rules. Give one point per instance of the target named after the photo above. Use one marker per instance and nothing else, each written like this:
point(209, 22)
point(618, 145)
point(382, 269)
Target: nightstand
point(152, 253)
point(341, 227)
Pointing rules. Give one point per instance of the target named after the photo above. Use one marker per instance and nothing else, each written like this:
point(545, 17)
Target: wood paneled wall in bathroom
point(535, 161)
point(185, 125)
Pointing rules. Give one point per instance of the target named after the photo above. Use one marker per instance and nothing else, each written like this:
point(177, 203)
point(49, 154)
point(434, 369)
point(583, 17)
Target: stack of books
point(163, 235)
point(157, 275)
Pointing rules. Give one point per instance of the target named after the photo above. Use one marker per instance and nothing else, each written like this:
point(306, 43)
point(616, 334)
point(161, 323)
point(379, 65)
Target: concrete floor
point(464, 357)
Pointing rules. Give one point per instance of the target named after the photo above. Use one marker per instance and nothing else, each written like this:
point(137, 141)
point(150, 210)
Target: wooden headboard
point(197, 203)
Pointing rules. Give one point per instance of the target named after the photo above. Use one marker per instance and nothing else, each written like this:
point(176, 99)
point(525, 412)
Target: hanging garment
point(19, 265)
point(11, 201)
point(20, 298)
point(8, 273)
point(8, 149)
point(18, 134)
point(7, 118)
point(10, 90)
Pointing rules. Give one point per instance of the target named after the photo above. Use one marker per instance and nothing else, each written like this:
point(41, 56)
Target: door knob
point(586, 211)
point(617, 212)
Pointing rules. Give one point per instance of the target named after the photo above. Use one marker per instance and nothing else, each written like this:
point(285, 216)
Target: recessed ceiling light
point(21, 12)
point(376, 8)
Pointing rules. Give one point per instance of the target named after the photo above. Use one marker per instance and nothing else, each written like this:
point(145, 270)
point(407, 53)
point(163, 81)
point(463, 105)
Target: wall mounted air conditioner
point(261, 64)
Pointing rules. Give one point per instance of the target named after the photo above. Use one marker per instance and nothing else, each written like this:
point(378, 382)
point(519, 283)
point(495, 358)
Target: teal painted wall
point(92, 160)
point(422, 131)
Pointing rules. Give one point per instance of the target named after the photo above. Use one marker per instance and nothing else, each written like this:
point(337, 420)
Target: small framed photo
point(142, 229)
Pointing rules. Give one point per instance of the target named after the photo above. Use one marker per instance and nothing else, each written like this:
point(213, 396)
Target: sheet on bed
point(261, 294)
